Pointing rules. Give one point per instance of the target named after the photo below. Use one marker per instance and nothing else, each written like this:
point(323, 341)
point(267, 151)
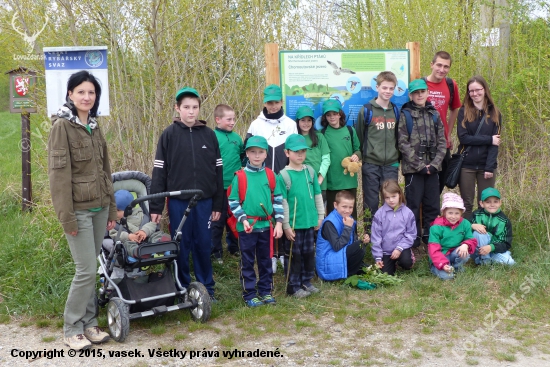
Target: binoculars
point(427, 149)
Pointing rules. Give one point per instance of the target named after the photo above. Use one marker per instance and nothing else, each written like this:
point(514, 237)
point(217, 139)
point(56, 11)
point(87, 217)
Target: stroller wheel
point(118, 320)
point(197, 292)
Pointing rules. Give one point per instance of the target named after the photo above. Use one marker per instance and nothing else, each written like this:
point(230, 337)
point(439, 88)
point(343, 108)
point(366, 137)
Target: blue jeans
point(492, 257)
point(456, 262)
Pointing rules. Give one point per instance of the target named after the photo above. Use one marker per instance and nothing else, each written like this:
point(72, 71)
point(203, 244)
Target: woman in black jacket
point(481, 161)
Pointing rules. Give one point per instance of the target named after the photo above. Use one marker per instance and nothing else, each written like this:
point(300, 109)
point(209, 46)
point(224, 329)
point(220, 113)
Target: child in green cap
point(188, 158)
point(493, 230)
point(304, 212)
point(318, 157)
point(275, 127)
point(343, 142)
point(423, 148)
point(253, 197)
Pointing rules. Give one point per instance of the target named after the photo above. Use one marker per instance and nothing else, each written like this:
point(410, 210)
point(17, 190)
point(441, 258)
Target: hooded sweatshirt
point(188, 158)
point(392, 229)
point(275, 128)
point(380, 148)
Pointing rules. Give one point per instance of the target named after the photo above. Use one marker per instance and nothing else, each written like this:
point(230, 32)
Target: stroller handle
point(196, 193)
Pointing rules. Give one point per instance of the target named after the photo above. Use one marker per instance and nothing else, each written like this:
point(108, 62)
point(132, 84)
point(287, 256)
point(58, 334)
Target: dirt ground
point(327, 344)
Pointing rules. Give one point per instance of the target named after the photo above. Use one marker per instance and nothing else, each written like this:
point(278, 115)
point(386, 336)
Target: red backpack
point(231, 220)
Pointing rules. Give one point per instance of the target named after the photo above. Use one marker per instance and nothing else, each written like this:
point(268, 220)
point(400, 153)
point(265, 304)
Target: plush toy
point(350, 167)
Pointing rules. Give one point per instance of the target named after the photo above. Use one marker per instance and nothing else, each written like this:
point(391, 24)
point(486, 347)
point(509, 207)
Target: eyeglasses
point(475, 91)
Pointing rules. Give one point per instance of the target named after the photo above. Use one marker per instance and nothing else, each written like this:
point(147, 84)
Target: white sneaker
point(282, 261)
point(274, 264)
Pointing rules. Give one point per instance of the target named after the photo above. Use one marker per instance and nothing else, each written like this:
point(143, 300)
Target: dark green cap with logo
point(256, 141)
point(304, 111)
point(296, 142)
point(187, 91)
point(488, 192)
point(273, 93)
point(331, 105)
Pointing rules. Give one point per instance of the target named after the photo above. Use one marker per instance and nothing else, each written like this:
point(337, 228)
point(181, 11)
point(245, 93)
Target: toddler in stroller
point(129, 287)
point(137, 229)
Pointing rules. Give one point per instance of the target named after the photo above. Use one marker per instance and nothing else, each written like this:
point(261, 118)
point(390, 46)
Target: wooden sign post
point(22, 80)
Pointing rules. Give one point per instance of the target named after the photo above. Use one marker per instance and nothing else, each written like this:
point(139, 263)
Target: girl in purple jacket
point(393, 230)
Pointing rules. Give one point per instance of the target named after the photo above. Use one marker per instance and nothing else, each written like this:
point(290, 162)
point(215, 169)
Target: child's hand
point(485, 250)
point(463, 250)
point(155, 218)
point(480, 228)
point(319, 222)
point(141, 235)
point(133, 237)
point(348, 221)
point(278, 231)
point(354, 158)
point(395, 254)
point(380, 264)
point(448, 269)
point(366, 238)
point(289, 233)
point(320, 179)
point(247, 226)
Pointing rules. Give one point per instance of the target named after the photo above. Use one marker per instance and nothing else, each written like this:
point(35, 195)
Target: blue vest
point(332, 265)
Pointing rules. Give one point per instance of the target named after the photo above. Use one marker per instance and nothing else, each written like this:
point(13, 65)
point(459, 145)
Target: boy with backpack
point(421, 140)
point(253, 198)
point(275, 127)
point(303, 213)
point(377, 132)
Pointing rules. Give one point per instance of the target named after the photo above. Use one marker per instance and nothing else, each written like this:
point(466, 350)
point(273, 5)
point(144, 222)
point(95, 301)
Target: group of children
point(292, 172)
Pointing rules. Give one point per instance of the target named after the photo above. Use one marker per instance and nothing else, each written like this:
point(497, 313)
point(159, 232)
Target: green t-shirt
point(314, 155)
point(231, 148)
point(303, 189)
point(341, 146)
point(257, 191)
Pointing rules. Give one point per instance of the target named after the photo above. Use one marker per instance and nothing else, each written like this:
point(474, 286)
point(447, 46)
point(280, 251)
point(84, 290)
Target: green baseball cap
point(304, 111)
point(256, 141)
point(488, 192)
point(187, 90)
point(296, 142)
point(417, 84)
point(331, 105)
point(273, 93)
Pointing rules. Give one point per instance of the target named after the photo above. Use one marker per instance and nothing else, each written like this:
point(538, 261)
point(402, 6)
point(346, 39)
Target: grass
point(36, 273)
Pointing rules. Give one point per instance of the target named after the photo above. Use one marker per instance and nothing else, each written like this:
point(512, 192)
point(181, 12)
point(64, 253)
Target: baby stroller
point(126, 288)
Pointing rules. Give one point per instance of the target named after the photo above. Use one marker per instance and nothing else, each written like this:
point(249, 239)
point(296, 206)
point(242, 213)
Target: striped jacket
point(188, 158)
point(498, 225)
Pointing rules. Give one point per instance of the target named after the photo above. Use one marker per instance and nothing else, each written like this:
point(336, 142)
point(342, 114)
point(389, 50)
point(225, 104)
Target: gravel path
point(338, 344)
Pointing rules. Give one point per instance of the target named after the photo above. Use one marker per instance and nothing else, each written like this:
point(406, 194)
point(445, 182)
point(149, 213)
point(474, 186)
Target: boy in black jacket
point(188, 158)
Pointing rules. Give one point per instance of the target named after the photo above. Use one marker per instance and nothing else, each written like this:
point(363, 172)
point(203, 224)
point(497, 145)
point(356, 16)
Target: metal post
point(26, 161)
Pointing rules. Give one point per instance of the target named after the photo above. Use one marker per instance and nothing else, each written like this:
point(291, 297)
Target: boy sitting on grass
point(493, 230)
point(338, 254)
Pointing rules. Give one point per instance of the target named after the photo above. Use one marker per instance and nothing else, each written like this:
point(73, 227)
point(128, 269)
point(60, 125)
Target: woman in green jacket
point(83, 199)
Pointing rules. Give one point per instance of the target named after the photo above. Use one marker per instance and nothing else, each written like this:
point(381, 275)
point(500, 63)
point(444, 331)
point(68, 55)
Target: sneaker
point(268, 299)
point(311, 288)
point(213, 299)
point(282, 261)
point(219, 260)
point(95, 335)
point(274, 264)
point(254, 302)
point(301, 293)
point(77, 342)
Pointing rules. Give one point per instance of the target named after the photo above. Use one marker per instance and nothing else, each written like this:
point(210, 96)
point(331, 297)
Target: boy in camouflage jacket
point(423, 151)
